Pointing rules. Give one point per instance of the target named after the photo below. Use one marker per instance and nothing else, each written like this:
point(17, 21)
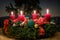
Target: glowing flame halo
point(47, 11)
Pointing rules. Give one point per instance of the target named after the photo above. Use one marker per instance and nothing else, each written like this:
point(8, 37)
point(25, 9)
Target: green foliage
point(50, 29)
point(28, 30)
point(10, 8)
point(22, 32)
point(26, 5)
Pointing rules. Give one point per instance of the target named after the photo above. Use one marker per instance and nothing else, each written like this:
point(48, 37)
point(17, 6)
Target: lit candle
point(21, 16)
point(47, 15)
point(12, 16)
point(35, 15)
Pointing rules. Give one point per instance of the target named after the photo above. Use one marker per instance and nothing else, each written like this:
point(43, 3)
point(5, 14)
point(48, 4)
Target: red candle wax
point(21, 17)
point(35, 15)
point(12, 16)
point(47, 16)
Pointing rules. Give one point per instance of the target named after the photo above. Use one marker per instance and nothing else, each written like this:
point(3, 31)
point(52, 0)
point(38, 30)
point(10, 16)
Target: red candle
point(21, 17)
point(47, 16)
point(35, 15)
point(12, 16)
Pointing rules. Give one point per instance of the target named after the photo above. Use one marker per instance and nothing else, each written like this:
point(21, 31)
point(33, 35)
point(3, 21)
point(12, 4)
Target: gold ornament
point(36, 25)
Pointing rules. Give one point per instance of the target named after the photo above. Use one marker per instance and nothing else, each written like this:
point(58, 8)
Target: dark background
point(53, 5)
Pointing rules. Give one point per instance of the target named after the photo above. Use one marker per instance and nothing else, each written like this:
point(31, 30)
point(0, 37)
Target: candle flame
point(12, 13)
point(34, 11)
point(21, 12)
point(47, 11)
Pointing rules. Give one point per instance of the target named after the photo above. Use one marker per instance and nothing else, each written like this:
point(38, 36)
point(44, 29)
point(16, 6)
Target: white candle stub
point(47, 11)
point(12, 13)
